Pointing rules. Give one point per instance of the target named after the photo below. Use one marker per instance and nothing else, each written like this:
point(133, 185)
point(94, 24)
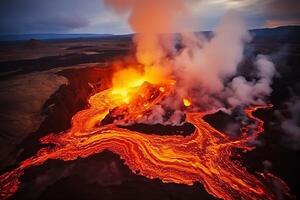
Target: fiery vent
point(186, 102)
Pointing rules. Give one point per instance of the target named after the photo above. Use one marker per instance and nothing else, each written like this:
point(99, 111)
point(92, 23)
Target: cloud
point(290, 7)
point(34, 16)
point(271, 23)
point(280, 13)
point(269, 13)
point(59, 23)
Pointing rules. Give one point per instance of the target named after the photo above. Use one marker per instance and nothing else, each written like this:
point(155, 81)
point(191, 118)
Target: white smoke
point(203, 65)
point(243, 92)
point(205, 68)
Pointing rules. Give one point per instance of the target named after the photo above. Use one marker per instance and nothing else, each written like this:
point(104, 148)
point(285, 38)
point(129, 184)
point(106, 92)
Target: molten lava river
point(204, 156)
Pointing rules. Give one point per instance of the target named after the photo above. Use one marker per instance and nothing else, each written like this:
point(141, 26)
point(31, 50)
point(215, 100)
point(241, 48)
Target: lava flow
point(204, 156)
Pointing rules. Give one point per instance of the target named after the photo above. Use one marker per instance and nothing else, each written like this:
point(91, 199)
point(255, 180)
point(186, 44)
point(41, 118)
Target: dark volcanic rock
point(104, 177)
point(68, 100)
point(45, 63)
point(159, 129)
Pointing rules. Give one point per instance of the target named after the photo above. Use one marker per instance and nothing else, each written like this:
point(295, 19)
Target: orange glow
point(126, 81)
point(205, 156)
point(186, 102)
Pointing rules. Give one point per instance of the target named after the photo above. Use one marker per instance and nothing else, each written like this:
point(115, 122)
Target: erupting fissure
point(204, 156)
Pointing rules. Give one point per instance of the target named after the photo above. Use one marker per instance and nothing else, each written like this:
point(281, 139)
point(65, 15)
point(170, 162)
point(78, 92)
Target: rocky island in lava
point(165, 113)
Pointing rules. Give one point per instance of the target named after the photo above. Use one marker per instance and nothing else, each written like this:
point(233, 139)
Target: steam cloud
point(205, 68)
point(149, 18)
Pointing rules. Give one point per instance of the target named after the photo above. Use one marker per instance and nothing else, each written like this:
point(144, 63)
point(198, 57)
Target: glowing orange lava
point(204, 156)
point(186, 102)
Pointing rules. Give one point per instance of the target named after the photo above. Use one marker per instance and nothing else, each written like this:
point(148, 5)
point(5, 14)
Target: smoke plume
point(205, 67)
point(149, 19)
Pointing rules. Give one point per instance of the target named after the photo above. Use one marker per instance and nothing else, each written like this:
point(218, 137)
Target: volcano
point(165, 113)
point(204, 156)
point(186, 157)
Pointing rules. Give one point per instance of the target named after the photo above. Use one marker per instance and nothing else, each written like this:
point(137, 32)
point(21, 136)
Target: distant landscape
point(281, 33)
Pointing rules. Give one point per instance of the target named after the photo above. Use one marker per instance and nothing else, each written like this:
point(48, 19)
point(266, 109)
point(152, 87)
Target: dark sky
point(92, 16)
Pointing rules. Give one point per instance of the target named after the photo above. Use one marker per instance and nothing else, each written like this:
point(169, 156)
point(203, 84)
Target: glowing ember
point(186, 102)
point(204, 156)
